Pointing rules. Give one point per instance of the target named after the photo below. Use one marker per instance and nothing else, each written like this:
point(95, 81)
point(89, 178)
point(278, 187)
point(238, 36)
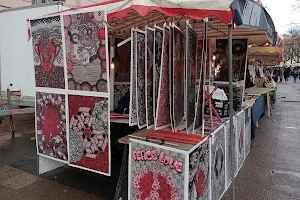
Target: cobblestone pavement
point(272, 169)
point(270, 172)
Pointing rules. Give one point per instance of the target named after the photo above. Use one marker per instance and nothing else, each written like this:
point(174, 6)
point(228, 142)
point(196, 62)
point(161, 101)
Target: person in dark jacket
point(275, 75)
point(286, 74)
point(281, 74)
point(295, 74)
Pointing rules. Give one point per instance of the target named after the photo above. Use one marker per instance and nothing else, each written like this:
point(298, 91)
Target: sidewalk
point(18, 170)
point(272, 169)
point(16, 184)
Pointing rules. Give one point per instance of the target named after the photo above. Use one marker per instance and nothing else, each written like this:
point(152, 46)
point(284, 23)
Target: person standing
point(295, 74)
point(275, 75)
point(286, 74)
point(280, 74)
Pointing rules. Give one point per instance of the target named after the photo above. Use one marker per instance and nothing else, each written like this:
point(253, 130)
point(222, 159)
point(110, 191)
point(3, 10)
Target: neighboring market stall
point(265, 53)
point(135, 63)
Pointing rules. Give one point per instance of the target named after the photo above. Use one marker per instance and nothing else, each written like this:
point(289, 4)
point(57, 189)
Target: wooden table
point(141, 135)
point(262, 91)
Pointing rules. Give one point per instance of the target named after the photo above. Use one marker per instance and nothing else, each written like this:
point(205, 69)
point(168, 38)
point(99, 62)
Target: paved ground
point(270, 172)
point(18, 169)
point(272, 169)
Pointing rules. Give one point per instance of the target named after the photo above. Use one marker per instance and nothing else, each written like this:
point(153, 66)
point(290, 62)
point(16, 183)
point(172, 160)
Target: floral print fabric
point(140, 80)
point(149, 76)
point(132, 104)
point(178, 77)
point(163, 101)
point(51, 125)
point(89, 133)
point(157, 63)
point(86, 51)
point(48, 52)
point(191, 67)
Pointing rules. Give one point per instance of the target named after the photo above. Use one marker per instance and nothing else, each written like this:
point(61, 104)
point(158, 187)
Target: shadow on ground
point(20, 153)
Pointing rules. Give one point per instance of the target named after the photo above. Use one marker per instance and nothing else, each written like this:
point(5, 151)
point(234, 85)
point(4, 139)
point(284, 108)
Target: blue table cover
point(257, 112)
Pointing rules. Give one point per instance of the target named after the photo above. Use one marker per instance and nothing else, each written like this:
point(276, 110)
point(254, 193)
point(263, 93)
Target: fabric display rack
point(72, 90)
point(159, 87)
point(189, 171)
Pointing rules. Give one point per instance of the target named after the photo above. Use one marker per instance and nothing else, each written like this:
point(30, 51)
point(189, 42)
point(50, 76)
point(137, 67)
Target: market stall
point(270, 56)
point(200, 168)
point(135, 63)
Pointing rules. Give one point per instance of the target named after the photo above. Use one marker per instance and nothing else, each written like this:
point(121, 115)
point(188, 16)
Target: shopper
point(281, 74)
point(286, 74)
point(295, 74)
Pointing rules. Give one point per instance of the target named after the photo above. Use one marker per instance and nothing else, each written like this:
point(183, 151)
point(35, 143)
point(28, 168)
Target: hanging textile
point(178, 77)
point(149, 77)
point(163, 101)
point(191, 68)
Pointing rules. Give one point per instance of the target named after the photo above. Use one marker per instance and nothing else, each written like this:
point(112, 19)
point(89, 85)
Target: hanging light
point(214, 57)
point(112, 65)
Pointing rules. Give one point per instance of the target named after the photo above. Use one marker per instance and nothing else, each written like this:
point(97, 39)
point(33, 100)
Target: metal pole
point(11, 122)
point(37, 166)
point(204, 55)
point(232, 138)
point(112, 73)
point(8, 94)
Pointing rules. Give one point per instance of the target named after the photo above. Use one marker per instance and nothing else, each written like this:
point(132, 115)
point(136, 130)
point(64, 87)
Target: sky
point(281, 13)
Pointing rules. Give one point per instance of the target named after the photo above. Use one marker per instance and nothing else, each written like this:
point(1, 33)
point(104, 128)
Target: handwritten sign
point(156, 172)
point(152, 155)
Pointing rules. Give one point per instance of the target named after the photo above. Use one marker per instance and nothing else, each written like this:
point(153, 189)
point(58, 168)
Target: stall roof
point(124, 14)
point(194, 9)
point(216, 28)
point(252, 14)
point(129, 14)
point(267, 53)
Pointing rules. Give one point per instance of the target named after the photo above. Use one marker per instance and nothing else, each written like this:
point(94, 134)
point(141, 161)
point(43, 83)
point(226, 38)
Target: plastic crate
point(222, 107)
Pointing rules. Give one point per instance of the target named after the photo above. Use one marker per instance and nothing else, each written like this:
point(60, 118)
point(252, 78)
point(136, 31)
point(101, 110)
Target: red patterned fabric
point(200, 183)
point(163, 107)
point(50, 124)
point(101, 162)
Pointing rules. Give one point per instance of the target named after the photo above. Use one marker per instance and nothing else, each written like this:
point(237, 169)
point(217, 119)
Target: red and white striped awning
point(279, 42)
point(194, 9)
point(124, 14)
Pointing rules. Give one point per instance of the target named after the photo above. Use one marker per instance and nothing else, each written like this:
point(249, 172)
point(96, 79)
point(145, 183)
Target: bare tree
point(295, 6)
point(292, 37)
point(292, 43)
